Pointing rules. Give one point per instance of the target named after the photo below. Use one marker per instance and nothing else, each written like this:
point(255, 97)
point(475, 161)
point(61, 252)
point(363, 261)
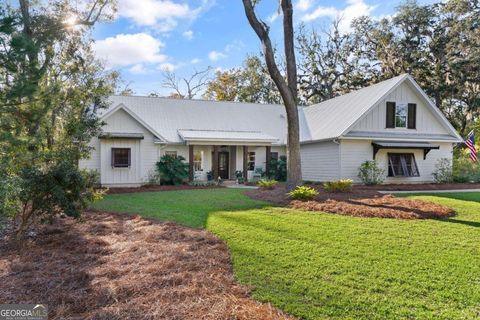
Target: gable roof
point(170, 118)
point(178, 121)
point(334, 118)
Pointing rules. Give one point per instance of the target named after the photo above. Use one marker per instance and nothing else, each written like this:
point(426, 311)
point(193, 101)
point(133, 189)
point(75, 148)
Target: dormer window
point(401, 115)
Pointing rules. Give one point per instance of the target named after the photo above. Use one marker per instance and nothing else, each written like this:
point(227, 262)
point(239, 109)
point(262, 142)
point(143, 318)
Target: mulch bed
point(112, 266)
point(153, 188)
point(362, 201)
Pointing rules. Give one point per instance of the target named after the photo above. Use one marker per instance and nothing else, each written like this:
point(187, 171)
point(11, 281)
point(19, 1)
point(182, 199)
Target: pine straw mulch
point(113, 266)
point(360, 202)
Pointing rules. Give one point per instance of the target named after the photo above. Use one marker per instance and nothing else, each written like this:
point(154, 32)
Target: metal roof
point(166, 116)
point(119, 135)
point(330, 119)
point(404, 145)
point(169, 119)
point(401, 136)
point(216, 135)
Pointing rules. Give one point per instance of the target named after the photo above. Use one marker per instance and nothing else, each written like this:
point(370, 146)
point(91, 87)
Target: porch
point(225, 161)
point(223, 154)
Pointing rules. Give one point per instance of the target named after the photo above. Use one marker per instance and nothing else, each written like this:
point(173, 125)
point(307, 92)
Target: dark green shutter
point(390, 115)
point(412, 116)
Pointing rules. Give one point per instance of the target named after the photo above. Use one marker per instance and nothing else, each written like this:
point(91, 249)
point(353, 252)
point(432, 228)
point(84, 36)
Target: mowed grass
point(326, 266)
point(187, 207)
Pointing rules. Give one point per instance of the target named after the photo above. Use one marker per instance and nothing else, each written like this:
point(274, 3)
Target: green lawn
point(325, 266)
point(187, 207)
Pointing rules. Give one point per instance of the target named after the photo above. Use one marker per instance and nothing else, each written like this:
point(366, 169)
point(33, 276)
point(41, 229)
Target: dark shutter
point(412, 116)
point(390, 115)
point(129, 158)
point(113, 158)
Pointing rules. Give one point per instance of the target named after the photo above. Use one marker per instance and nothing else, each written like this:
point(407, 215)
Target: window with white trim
point(402, 165)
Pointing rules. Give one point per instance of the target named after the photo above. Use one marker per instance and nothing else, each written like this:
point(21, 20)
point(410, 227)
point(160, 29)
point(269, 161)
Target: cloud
point(138, 68)
point(188, 34)
point(235, 45)
point(129, 49)
point(274, 16)
point(353, 10)
point(167, 67)
point(162, 14)
point(216, 55)
point(195, 61)
point(304, 5)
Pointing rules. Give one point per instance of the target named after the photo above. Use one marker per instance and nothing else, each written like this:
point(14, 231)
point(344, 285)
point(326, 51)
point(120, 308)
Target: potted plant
point(239, 176)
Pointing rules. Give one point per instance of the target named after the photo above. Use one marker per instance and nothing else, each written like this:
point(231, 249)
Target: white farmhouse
point(393, 122)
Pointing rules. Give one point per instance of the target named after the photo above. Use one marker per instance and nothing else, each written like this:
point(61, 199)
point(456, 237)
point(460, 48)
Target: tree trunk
point(288, 91)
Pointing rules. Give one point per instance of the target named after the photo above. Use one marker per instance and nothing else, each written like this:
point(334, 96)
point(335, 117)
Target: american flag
point(470, 143)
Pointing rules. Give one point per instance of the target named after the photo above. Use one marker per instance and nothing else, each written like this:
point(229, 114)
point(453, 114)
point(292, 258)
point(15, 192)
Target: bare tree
point(193, 84)
point(288, 88)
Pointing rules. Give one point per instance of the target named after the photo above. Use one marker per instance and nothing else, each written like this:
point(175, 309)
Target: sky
point(148, 37)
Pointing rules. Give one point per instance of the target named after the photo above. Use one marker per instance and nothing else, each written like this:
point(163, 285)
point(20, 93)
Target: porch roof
point(425, 146)
point(226, 136)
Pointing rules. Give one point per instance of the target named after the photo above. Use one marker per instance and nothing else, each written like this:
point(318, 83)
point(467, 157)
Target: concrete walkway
point(430, 191)
point(241, 186)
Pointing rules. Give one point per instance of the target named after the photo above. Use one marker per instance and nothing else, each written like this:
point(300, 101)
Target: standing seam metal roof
point(324, 121)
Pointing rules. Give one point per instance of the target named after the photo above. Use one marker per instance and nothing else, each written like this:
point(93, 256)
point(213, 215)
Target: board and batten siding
point(320, 161)
point(144, 153)
point(354, 152)
point(426, 121)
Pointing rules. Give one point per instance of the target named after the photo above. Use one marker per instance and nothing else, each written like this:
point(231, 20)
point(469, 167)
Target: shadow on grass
point(474, 224)
point(463, 196)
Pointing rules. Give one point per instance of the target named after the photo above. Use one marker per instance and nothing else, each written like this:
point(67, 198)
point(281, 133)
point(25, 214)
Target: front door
point(223, 165)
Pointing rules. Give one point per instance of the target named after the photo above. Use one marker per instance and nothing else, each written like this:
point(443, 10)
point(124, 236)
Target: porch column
point(215, 162)
point(268, 156)
point(190, 162)
point(245, 162)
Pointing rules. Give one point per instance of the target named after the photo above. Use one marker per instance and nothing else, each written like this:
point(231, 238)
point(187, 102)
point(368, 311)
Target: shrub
point(60, 188)
point(278, 169)
point(464, 169)
point(200, 183)
point(267, 184)
point(343, 185)
point(172, 170)
point(443, 172)
point(303, 193)
point(370, 173)
point(9, 190)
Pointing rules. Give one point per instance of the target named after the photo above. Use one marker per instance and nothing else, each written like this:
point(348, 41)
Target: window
point(401, 115)
point(401, 111)
point(121, 157)
point(274, 155)
point(402, 165)
point(171, 153)
point(197, 160)
point(251, 161)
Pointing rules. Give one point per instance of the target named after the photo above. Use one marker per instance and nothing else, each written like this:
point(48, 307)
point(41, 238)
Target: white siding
point(144, 153)
point(93, 161)
point(320, 161)
point(375, 119)
point(355, 152)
